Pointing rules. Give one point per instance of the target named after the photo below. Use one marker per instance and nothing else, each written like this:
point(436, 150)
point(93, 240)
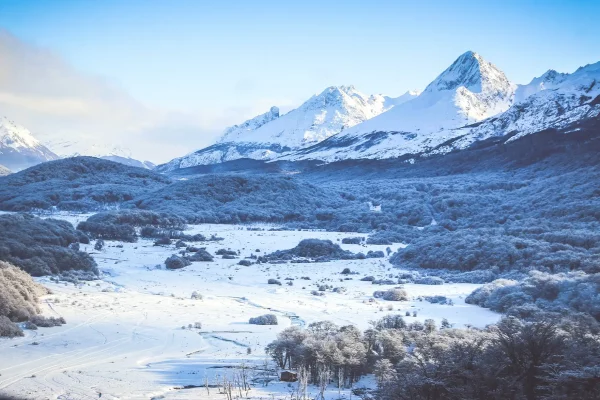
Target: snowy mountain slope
point(468, 91)
point(239, 131)
point(118, 154)
point(19, 149)
point(4, 171)
point(556, 100)
point(271, 134)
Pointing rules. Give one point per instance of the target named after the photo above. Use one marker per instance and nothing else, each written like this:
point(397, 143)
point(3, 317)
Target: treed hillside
point(249, 198)
point(79, 183)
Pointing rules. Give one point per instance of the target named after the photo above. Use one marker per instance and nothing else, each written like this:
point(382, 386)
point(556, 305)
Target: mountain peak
point(471, 71)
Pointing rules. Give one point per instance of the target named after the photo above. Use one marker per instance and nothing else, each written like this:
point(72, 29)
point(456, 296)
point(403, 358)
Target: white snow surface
point(124, 338)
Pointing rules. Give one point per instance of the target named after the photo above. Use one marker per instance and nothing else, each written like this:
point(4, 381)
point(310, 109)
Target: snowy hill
point(19, 149)
point(468, 91)
point(269, 135)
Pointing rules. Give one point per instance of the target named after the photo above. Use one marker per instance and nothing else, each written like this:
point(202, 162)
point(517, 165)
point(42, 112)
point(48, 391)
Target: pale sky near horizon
point(173, 74)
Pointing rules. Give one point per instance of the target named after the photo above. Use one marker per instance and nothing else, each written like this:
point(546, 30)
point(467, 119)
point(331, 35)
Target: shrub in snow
point(8, 328)
point(274, 282)
point(321, 250)
point(267, 319)
point(396, 294)
point(47, 322)
point(225, 252)
point(99, 245)
point(317, 293)
point(368, 279)
point(163, 241)
point(200, 255)
point(437, 299)
point(125, 233)
point(352, 240)
point(340, 289)
point(176, 262)
point(196, 296)
point(192, 249)
point(391, 322)
point(346, 271)
point(375, 254)
point(74, 246)
point(179, 244)
point(197, 325)
point(245, 263)
point(228, 257)
point(430, 280)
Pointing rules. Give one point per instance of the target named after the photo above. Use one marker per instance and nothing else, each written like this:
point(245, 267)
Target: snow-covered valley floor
point(124, 337)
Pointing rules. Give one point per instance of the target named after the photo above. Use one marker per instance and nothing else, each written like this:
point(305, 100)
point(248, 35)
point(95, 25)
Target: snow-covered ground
point(124, 337)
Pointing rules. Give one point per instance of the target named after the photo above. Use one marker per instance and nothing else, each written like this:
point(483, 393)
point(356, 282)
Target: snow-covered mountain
point(118, 154)
point(554, 100)
point(269, 135)
point(468, 91)
point(19, 149)
point(4, 171)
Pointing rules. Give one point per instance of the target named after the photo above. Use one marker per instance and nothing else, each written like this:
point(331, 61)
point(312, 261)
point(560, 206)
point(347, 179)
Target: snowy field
point(127, 335)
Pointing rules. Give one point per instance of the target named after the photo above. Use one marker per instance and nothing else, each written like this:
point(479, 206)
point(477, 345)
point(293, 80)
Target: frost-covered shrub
point(313, 248)
point(390, 322)
point(176, 262)
point(395, 294)
point(125, 233)
point(267, 319)
point(575, 291)
point(99, 245)
point(226, 252)
point(438, 300)
point(18, 293)
point(163, 241)
point(40, 246)
point(47, 322)
point(375, 254)
point(481, 295)
point(429, 280)
point(8, 328)
point(200, 255)
point(196, 296)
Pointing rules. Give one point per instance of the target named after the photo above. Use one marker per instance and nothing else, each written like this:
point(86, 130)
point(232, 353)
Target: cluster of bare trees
point(550, 357)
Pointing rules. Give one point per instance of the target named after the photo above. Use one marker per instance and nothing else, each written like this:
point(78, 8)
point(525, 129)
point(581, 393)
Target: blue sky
point(231, 59)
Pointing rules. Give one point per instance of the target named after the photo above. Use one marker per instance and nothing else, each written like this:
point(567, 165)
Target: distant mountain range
point(19, 149)
point(472, 100)
point(469, 102)
point(271, 135)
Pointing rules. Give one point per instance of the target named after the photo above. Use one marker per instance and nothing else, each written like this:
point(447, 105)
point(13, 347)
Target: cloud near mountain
point(59, 104)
